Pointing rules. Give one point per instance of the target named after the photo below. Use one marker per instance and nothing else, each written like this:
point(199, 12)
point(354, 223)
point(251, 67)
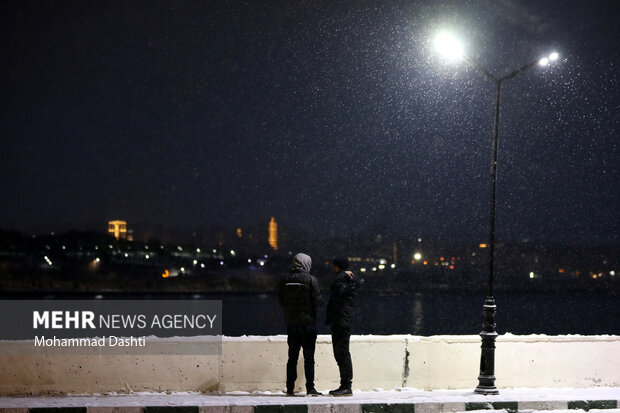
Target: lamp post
point(451, 48)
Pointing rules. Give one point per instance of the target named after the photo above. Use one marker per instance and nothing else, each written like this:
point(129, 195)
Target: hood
point(302, 262)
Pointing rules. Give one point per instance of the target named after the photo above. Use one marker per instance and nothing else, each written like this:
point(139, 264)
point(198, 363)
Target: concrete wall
point(258, 363)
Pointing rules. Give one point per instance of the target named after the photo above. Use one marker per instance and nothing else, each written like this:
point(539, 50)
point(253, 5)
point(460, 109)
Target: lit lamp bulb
point(449, 46)
point(546, 61)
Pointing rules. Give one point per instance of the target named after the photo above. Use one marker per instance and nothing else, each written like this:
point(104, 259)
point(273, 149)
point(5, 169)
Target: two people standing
point(300, 297)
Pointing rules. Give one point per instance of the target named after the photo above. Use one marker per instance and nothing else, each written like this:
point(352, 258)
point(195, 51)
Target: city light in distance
point(417, 256)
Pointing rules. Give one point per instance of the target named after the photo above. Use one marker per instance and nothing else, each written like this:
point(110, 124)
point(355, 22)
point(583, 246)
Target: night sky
point(335, 117)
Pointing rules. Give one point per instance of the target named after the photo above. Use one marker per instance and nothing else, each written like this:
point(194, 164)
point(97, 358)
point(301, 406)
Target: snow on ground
point(403, 395)
point(546, 411)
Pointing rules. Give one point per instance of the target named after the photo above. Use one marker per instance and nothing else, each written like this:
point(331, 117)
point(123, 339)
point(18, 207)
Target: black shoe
point(334, 391)
point(313, 392)
point(290, 393)
point(341, 392)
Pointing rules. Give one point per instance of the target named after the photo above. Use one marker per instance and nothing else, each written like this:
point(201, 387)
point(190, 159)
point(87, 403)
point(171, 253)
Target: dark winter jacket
point(341, 303)
point(300, 296)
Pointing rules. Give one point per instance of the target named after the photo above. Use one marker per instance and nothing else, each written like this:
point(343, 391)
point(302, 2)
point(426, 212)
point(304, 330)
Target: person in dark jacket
point(300, 297)
point(340, 310)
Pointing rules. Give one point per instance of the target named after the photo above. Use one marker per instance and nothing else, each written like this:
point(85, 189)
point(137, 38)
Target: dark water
point(434, 313)
point(428, 313)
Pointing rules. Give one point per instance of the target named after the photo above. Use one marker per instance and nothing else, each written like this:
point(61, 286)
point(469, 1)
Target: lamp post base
point(486, 379)
point(486, 390)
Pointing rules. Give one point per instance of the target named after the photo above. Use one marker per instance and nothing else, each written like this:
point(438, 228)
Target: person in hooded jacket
point(300, 297)
point(340, 312)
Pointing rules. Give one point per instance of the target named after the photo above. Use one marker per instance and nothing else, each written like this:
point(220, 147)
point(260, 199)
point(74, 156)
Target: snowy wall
point(258, 363)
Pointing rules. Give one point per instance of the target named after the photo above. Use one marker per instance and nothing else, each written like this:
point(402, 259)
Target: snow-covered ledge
point(258, 363)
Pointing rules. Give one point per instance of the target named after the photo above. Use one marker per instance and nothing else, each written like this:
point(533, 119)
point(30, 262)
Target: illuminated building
point(394, 252)
point(118, 229)
point(273, 233)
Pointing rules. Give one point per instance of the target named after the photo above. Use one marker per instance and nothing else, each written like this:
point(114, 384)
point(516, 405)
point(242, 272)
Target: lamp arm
point(519, 71)
point(488, 74)
point(479, 69)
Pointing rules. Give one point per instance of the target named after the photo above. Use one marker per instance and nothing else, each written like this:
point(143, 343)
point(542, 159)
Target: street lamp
point(452, 49)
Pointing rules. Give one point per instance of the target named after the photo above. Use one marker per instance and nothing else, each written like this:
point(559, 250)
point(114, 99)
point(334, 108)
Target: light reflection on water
point(434, 313)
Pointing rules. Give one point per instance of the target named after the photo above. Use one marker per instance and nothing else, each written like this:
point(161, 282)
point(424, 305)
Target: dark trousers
point(300, 337)
point(340, 343)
